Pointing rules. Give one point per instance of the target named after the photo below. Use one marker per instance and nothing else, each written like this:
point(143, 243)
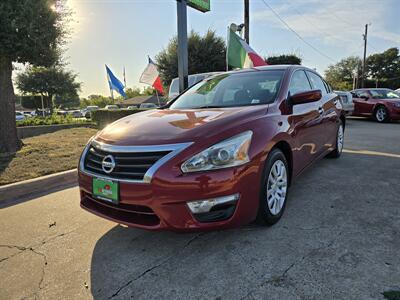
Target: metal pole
point(227, 49)
point(41, 96)
point(158, 99)
point(182, 45)
point(246, 22)
point(365, 55)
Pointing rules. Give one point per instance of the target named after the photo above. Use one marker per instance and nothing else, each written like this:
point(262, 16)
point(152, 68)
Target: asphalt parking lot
point(339, 239)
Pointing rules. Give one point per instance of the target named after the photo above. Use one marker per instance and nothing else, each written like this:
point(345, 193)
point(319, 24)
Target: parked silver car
point(347, 101)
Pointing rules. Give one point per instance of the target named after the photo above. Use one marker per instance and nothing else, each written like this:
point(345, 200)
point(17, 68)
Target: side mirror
point(306, 97)
point(364, 97)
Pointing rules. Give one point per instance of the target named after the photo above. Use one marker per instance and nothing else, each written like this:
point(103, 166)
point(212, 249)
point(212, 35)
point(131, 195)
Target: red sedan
point(381, 104)
point(222, 154)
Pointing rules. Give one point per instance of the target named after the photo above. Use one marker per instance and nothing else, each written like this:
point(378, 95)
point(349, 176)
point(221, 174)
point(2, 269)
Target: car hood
point(165, 126)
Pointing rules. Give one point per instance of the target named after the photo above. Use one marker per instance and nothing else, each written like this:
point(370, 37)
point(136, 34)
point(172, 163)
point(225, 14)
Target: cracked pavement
point(338, 239)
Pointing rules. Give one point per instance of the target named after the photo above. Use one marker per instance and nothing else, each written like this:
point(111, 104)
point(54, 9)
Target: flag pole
point(124, 77)
point(158, 99)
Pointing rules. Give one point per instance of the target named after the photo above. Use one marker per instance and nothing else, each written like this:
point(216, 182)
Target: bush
point(103, 117)
point(50, 120)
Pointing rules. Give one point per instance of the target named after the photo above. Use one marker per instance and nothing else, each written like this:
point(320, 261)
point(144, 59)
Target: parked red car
point(220, 155)
point(381, 104)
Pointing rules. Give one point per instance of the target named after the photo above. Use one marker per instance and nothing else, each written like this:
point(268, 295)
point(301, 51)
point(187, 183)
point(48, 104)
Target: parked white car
point(19, 116)
point(192, 80)
point(147, 105)
point(76, 113)
point(347, 101)
point(88, 110)
point(111, 107)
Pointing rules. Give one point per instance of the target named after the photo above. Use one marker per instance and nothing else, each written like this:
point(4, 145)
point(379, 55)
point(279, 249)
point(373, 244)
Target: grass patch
point(392, 295)
point(45, 154)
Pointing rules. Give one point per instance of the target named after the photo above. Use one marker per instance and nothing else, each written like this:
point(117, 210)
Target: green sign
point(201, 5)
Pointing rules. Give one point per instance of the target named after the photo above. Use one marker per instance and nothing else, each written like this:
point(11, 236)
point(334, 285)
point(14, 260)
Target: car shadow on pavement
point(127, 261)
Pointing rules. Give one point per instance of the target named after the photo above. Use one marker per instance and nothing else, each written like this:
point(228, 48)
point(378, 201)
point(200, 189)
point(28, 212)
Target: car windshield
point(232, 89)
point(384, 94)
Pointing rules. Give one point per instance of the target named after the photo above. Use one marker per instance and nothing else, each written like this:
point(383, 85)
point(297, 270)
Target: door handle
point(320, 110)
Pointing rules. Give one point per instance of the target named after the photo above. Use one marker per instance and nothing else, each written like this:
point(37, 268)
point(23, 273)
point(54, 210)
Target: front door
point(306, 124)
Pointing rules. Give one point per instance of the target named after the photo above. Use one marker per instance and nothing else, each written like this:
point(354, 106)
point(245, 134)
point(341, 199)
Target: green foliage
point(49, 82)
point(205, 54)
point(284, 59)
point(31, 102)
point(51, 120)
point(392, 295)
point(103, 117)
point(97, 100)
point(340, 75)
point(32, 30)
point(385, 67)
point(134, 92)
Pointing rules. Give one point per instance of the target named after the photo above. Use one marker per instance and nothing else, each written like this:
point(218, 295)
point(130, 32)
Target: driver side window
point(299, 83)
point(362, 94)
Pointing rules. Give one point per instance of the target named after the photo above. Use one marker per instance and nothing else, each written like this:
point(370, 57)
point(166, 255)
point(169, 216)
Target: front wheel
point(381, 114)
point(274, 189)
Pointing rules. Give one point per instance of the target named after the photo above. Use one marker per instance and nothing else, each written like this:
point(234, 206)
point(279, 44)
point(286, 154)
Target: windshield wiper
point(207, 106)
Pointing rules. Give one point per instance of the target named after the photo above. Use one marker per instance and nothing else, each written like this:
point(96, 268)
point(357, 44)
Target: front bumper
point(162, 203)
point(394, 113)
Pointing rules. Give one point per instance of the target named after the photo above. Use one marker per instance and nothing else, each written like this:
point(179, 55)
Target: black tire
point(381, 118)
point(337, 152)
point(264, 214)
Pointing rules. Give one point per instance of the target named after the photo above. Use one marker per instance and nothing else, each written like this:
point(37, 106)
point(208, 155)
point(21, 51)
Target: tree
point(50, 82)
point(284, 59)
point(385, 67)
point(132, 92)
point(31, 31)
point(205, 54)
point(340, 75)
point(97, 100)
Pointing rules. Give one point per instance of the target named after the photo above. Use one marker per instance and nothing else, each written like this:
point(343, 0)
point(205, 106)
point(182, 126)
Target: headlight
point(228, 153)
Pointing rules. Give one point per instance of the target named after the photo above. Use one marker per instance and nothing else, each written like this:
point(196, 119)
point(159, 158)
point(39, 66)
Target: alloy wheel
point(277, 187)
point(380, 114)
point(340, 139)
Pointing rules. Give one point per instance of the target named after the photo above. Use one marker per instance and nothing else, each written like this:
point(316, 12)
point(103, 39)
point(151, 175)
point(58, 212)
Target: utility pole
point(365, 55)
point(182, 45)
point(246, 21)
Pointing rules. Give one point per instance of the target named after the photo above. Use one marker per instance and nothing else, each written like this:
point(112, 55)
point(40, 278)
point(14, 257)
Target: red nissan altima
point(222, 154)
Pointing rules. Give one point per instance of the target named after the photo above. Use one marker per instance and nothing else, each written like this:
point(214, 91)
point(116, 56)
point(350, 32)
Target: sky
point(123, 32)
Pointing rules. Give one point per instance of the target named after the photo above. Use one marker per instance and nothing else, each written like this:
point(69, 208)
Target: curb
point(29, 187)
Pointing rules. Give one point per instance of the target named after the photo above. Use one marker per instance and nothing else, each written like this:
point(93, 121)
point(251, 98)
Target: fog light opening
point(205, 206)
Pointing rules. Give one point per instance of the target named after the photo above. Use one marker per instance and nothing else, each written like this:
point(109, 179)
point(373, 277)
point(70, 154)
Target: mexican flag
point(240, 54)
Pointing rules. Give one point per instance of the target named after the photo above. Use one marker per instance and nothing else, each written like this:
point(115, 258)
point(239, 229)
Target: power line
point(298, 35)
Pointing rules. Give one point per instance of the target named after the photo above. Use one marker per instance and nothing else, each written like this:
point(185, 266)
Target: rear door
point(306, 123)
point(327, 110)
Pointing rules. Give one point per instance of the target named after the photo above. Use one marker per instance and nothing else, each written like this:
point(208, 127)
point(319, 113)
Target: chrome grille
point(128, 165)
